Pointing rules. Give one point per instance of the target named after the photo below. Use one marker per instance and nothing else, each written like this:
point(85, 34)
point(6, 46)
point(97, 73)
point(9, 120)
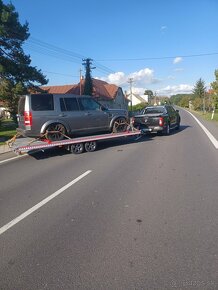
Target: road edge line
point(206, 131)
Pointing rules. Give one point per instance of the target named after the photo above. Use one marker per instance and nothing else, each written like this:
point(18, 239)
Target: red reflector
point(28, 118)
point(161, 121)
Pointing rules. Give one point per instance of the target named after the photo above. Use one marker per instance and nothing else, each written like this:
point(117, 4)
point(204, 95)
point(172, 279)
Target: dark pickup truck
point(157, 119)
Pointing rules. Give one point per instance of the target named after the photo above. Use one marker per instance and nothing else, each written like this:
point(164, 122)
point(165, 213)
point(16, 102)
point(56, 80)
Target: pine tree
point(88, 86)
point(15, 69)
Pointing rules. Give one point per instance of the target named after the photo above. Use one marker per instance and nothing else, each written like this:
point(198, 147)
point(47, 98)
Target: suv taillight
point(161, 121)
point(27, 118)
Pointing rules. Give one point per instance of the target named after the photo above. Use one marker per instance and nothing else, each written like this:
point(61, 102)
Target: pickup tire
point(167, 130)
point(178, 126)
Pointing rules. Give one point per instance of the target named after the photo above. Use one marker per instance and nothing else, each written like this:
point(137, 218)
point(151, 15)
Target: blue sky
point(154, 42)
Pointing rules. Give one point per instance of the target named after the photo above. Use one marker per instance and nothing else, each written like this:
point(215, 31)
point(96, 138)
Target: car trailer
point(74, 145)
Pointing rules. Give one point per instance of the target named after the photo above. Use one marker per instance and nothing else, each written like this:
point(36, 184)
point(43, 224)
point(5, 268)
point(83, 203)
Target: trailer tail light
point(27, 118)
point(161, 121)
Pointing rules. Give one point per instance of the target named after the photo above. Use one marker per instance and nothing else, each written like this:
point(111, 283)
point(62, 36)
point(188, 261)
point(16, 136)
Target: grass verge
point(207, 116)
point(7, 130)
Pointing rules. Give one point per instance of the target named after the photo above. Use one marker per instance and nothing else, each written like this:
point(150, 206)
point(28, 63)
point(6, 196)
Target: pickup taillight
point(161, 121)
point(27, 118)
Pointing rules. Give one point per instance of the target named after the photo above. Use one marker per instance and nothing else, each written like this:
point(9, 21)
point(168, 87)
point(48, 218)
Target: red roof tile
point(100, 89)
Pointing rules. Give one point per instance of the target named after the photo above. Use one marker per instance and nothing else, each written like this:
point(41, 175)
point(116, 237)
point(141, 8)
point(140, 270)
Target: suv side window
point(89, 104)
point(69, 104)
point(42, 102)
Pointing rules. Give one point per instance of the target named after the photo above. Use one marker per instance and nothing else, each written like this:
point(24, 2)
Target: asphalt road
point(145, 216)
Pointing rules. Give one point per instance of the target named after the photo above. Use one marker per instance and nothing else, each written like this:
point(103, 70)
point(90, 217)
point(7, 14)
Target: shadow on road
point(102, 145)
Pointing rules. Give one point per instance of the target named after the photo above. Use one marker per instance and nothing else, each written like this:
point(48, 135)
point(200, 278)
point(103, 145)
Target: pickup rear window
point(158, 110)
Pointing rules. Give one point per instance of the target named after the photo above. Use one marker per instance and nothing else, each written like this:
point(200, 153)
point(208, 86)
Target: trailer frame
point(75, 145)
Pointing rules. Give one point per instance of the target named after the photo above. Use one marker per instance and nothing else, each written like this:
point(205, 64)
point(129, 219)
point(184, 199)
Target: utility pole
point(88, 86)
point(80, 83)
point(130, 81)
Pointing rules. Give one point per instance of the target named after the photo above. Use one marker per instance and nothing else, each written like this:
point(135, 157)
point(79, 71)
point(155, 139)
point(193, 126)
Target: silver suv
point(56, 115)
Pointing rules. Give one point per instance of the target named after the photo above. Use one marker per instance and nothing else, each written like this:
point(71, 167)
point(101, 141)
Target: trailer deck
point(75, 145)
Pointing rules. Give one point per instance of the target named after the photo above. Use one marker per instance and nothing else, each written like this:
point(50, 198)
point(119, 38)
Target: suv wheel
point(120, 125)
point(55, 132)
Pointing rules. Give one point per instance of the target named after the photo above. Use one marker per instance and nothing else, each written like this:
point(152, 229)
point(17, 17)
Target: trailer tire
point(90, 146)
point(77, 148)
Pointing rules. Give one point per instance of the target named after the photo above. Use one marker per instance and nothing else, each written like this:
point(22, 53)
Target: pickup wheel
point(55, 132)
point(177, 126)
point(119, 125)
point(167, 130)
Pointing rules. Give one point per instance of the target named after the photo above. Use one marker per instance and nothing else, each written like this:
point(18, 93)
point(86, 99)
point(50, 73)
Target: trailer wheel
point(90, 146)
point(77, 148)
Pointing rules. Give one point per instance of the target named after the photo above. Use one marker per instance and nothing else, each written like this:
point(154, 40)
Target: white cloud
point(163, 28)
point(138, 91)
point(140, 78)
point(177, 60)
point(178, 89)
point(143, 76)
point(116, 78)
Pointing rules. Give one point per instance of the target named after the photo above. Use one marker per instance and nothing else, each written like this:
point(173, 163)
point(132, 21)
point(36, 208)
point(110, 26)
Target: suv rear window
point(42, 102)
point(21, 105)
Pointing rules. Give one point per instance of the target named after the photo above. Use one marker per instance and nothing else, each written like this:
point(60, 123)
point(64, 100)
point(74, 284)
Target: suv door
point(93, 118)
point(70, 113)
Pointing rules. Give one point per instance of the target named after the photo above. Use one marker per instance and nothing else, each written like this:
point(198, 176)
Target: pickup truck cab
point(157, 119)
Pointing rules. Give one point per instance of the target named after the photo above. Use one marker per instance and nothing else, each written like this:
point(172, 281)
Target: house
point(109, 95)
point(137, 99)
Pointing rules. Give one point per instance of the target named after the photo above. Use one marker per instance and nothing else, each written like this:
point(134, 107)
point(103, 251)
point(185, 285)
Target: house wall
point(136, 99)
point(119, 102)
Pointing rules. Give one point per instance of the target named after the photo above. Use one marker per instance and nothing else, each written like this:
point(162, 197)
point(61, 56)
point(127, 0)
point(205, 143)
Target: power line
point(159, 58)
point(57, 52)
point(56, 73)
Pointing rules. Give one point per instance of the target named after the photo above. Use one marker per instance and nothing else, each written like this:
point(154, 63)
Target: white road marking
point(209, 135)
point(12, 158)
point(41, 203)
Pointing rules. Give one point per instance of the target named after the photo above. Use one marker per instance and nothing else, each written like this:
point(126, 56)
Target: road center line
point(209, 135)
point(41, 203)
